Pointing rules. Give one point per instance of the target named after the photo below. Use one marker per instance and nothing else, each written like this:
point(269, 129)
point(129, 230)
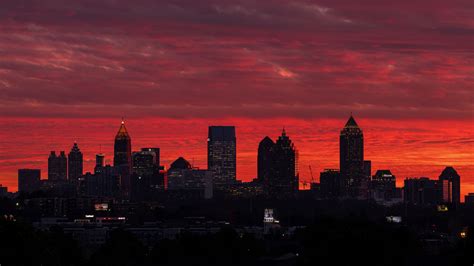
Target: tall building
point(221, 154)
point(331, 183)
point(28, 180)
point(145, 178)
point(99, 162)
point(264, 160)
point(368, 168)
point(57, 166)
point(123, 157)
point(450, 186)
point(383, 185)
point(105, 182)
point(75, 163)
point(351, 152)
point(421, 191)
point(184, 181)
point(283, 175)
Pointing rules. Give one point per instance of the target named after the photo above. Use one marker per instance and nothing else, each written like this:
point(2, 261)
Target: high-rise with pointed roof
point(283, 176)
point(351, 152)
point(123, 156)
point(75, 163)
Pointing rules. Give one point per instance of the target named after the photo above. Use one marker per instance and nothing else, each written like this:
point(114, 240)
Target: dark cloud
point(237, 58)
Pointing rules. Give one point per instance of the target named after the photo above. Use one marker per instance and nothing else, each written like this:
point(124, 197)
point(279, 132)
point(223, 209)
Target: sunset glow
point(70, 73)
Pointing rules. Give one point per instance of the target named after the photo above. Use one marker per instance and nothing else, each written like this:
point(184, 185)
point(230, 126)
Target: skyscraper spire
point(122, 132)
point(351, 122)
point(351, 153)
point(123, 156)
point(75, 162)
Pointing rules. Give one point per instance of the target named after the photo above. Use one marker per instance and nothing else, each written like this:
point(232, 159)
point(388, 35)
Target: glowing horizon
point(69, 71)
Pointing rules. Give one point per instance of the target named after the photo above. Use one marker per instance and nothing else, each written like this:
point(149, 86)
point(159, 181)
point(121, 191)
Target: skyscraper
point(105, 182)
point(283, 179)
point(330, 180)
point(184, 181)
point(28, 180)
point(75, 163)
point(264, 160)
point(351, 151)
point(144, 173)
point(421, 191)
point(99, 162)
point(383, 185)
point(123, 157)
point(221, 154)
point(450, 186)
point(57, 166)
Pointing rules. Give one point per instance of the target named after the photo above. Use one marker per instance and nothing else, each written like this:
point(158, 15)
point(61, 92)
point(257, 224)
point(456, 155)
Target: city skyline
point(418, 172)
point(236, 132)
point(69, 71)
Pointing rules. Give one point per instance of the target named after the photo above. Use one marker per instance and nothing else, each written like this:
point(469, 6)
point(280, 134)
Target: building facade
point(450, 186)
point(421, 191)
point(123, 157)
point(351, 151)
point(189, 182)
point(330, 183)
point(57, 166)
point(28, 180)
point(75, 163)
point(283, 179)
point(264, 160)
point(221, 154)
point(146, 178)
point(383, 185)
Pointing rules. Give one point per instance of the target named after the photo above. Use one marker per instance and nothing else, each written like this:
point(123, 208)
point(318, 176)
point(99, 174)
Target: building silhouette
point(105, 182)
point(221, 154)
point(330, 183)
point(351, 151)
point(99, 162)
point(383, 185)
point(57, 166)
point(75, 163)
point(146, 178)
point(450, 186)
point(123, 157)
point(184, 181)
point(469, 199)
point(368, 168)
point(283, 178)
point(264, 160)
point(28, 180)
point(157, 154)
point(421, 191)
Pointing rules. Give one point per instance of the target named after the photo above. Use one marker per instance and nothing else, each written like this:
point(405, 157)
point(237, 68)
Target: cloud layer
point(406, 68)
point(253, 59)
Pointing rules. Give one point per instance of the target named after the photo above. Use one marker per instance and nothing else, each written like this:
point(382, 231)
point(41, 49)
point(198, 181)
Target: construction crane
point(311, 172)
point(305, 185)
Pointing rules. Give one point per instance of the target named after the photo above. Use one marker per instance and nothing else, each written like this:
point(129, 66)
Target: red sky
point(69, 71)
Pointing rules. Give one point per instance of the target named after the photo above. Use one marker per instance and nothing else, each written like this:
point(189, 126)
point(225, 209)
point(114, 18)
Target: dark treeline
point(348, 241)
